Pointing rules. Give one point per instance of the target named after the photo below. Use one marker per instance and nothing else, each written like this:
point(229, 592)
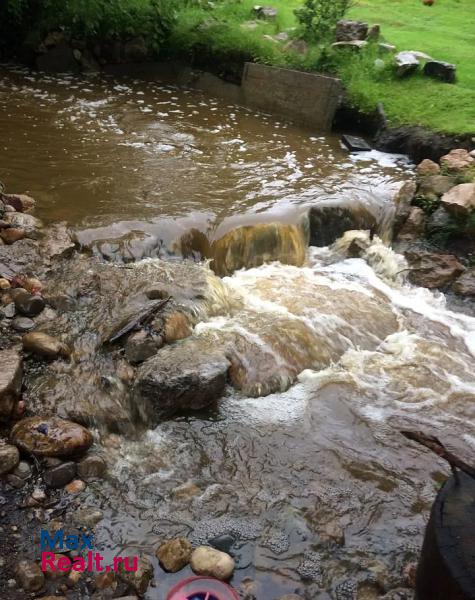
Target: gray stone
point(353, 45)
point(349, 31)
point(92, 467)
point(29, 576)
point(443, 71)
point(11, 373)
point(9, 458)
point(88, 517)
point(182, 377)
point(57, 242)
point(140, 346)
point(265, 12)
point(8, 311)
point(406, 63)
point(28, 223)
point(465, 284)
point(23, 324)
point(58, 477)
point(438, 220)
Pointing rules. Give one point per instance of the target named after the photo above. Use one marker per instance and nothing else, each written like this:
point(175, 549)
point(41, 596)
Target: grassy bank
point(446, 31)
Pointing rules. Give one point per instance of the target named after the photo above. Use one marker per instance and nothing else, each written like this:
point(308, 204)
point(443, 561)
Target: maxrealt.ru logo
point(53, 544)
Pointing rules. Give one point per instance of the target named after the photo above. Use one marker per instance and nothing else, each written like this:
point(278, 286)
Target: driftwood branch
point(436, 446)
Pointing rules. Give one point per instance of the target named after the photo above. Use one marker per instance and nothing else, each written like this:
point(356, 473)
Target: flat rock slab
point(355, 144)
point(186, 376)
point(51, 437)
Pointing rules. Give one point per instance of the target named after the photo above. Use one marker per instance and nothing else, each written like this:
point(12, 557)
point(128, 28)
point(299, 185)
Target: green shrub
point(318, 18)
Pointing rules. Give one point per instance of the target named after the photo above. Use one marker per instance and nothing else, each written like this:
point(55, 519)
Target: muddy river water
point(300, 469)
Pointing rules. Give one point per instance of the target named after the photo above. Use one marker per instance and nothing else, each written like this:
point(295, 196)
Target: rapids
point(301, 463)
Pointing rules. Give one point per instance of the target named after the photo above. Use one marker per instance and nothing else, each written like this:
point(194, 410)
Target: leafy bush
point(318, 18)
point(88, 19)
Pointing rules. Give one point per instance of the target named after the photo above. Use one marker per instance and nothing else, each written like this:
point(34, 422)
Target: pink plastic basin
point(202, 588)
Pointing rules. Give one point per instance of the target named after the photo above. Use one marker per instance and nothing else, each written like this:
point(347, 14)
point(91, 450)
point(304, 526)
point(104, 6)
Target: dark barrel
point(447, 565)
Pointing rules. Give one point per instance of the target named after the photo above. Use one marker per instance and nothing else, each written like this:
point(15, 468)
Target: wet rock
point(465, 284)
point(415, 225)
point(136, 50)
point(75, 487)
point(92, 467)
point(44, 345)
point(141, 345)
point(4, 284)
point(457, 161)
point(12, 235)
point(224, 542)
point(9, 458)
point(8, 311)
point(355, 144)
point(440, 70)
point(460, 200)
point(176, 327)
point(348, 31)
point(20, 475)
point(22, 256)
point(333, 532)
point(30, 284)
point(432, 270)
point(57, 242)
point(140, 579)
point(11, 373)
point(358, 247)
point(410, 572)
point(105, 580)
point(182, 377)
point(435, 186)
point(406, 63)
point(212, 563)
point(29, 305)
point(27, 223)
point(290, 597)
point(175, 554)
point(186, 490)
point(88, 517)
point(51, 437)
point(265, 12)
point(402, 201)
point(427, 167)
point(20, 202)
point(29, 576)
point(58, 477)
point(254, 245)
point(23, 324)
point(330, 222)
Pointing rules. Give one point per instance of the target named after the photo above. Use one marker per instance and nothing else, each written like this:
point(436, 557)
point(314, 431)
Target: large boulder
point(465, 284)
point(440, 70)
point(11, 372)
point(427, 167)
point(330, 222)
point(186, 376)
point(457, 161)
point(432, 270)
point(415, 225)
point(460, 200)
point(406, 63)
point(435, 186)
point(51, 437)
point(349, 31)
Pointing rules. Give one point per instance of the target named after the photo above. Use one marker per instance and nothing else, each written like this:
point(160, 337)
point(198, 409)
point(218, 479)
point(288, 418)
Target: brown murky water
point(301, 465)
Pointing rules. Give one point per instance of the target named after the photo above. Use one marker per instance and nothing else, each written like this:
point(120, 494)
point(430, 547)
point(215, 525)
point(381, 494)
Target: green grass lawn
point(446, 31)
